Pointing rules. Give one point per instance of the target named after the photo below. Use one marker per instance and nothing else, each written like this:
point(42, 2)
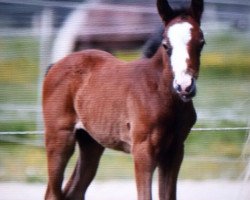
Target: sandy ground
point(125, 190)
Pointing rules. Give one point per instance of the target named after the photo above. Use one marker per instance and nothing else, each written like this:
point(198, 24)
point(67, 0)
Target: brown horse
point(143, 107)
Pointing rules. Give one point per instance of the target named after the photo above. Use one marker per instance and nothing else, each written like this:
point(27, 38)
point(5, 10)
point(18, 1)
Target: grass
point(11, 93)
point(18, 70)
point(22, 163)
point(223, 100)
point(208, 155)
point(17, 125)
point(19, 60)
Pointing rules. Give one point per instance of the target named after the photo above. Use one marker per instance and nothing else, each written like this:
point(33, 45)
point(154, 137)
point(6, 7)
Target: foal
point(143, 107)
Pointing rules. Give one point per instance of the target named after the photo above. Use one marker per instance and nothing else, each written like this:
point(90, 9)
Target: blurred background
point(36, 33)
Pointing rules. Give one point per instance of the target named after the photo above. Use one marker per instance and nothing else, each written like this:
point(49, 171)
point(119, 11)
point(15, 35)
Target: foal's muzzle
point(186, 90)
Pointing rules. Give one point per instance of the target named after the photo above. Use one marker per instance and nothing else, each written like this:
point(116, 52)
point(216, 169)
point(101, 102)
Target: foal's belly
point(115, 144)
point(114, 141)
point(109, 135)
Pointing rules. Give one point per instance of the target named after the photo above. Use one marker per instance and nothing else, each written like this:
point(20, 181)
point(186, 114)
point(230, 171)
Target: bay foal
point(143, 107)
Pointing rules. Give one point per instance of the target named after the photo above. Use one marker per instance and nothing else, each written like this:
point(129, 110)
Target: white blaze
point(179, 36)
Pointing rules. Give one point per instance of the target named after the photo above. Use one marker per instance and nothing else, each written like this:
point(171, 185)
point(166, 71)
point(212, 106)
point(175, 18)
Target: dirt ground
point(125, 190)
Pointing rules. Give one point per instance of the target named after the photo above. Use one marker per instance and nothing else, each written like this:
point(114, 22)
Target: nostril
point(190, 88)
point(178, 88)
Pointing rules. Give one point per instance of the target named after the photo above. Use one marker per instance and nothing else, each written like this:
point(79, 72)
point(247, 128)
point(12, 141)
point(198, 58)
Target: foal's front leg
point(60, 146)
point(169, 167)
point(144, 168)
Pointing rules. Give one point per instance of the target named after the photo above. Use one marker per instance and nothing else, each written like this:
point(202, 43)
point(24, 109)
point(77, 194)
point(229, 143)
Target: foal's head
point(183, 41)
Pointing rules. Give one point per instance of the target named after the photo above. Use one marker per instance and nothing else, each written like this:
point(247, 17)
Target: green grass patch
point(18, 70)
point(204, 168)
point(22, 163)
point(11, 93)
point(17, 126)
point(220, 143)
point(128, 55)
point(19, 60)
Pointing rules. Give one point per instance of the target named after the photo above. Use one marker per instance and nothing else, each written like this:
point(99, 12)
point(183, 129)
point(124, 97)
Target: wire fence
point(193, 129)
point(215, 164)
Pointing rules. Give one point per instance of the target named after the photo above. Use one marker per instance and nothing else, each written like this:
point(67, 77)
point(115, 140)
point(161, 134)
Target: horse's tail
point(153, 43)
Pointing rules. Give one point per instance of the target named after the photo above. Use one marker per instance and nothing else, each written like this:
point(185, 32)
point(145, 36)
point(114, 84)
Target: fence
point(199, 163)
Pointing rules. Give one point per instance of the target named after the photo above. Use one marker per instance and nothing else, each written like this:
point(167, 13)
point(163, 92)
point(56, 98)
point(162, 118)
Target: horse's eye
point(168, 48)
point(169, 51)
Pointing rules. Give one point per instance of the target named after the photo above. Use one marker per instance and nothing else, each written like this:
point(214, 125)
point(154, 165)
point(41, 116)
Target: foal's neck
point(161, 60)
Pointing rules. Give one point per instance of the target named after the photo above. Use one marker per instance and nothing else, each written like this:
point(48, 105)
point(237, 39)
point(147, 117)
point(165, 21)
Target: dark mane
point(48, 68)
point(153, 43)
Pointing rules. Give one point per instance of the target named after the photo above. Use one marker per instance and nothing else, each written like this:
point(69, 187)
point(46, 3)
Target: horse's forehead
point(179, 33)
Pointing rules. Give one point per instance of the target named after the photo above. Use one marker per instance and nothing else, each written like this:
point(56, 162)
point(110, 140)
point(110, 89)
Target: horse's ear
point(197, 7)
point(164, 9)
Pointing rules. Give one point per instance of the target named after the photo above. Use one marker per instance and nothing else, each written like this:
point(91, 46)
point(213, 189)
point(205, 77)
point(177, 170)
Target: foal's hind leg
point(86, 167)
